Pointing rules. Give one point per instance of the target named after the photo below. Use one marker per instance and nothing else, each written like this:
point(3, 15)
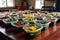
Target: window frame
point(14, 5)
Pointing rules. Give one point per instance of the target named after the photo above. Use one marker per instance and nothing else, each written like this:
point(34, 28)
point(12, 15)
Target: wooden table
point(52, 33)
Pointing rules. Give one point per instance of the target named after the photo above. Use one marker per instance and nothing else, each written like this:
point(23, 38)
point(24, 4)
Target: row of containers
point(32, 23)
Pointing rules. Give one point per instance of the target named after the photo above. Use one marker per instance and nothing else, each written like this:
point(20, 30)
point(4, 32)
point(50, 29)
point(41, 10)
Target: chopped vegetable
point(31, 23)
point(32, 28)
point(19, 23)
point(9, 20)
point(20, 17)
point(42, 22)
point(29, 15)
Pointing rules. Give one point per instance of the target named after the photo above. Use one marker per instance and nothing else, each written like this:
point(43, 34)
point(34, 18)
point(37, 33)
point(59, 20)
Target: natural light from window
point(10, 3)
point(6, 3)
point(39, 4)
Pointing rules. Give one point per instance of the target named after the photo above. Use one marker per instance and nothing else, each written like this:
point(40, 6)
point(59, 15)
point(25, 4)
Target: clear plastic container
point(45, 25)
point(5, 21)
point(35, 32)
point(18, 25)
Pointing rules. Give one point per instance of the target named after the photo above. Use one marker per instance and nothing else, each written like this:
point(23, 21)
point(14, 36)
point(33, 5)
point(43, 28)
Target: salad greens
point(42, 22)
point(31, 23)
point(20, 17)
point(9, 20)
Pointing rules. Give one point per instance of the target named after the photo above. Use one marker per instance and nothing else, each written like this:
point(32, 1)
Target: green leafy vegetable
point(20, 17)
point(9, 20)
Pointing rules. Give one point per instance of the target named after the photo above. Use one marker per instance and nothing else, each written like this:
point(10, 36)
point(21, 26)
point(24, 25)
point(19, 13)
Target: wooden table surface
point(52, 33)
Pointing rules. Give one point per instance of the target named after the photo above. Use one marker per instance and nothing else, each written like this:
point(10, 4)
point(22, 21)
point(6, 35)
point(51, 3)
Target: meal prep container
point(35, 32)
point(46, 25)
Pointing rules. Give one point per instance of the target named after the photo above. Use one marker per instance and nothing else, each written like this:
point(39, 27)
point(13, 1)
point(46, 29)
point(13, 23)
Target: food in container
point(41, 22)
point(6, 14)
point(30, 19)
point(20, 13)
point(29, 15)
point(33, 30)
point(31, 23)
point(20, 18)
point(19, 24)
point(9, 20)
point(45, 24)
point(2, 15)
point(52, 19)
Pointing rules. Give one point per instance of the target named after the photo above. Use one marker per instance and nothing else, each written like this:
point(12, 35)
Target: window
point(39, 4)
point(6, 3)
